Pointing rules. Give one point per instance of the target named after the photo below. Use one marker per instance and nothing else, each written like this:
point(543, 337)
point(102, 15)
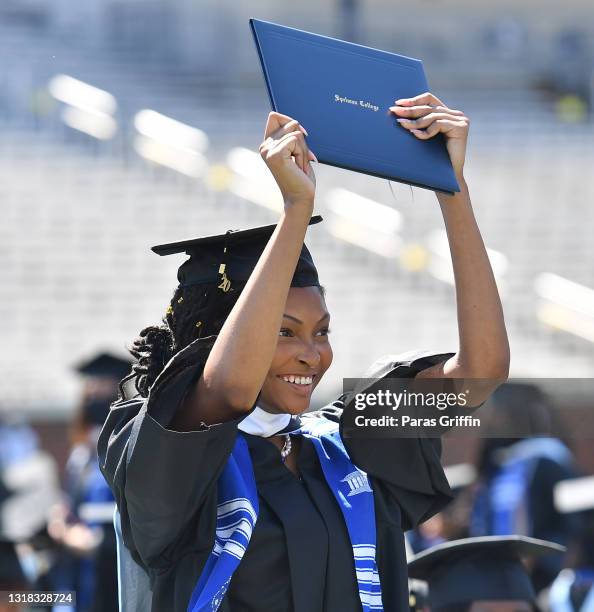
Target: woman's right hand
point(286, 154)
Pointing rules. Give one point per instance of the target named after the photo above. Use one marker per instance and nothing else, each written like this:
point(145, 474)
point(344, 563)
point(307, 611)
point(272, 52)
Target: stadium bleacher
point(79, 216)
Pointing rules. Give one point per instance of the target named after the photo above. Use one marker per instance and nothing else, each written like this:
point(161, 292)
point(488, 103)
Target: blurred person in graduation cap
point(517, 475)
point(573, 589)
point(83, 526)
point(230, 497)
point(101, 375)
point(481, 574)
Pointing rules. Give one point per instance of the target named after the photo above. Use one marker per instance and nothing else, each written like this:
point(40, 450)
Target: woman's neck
point(291, 459)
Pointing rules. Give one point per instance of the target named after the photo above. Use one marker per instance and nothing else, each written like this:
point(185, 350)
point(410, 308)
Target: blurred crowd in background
point(131, 123)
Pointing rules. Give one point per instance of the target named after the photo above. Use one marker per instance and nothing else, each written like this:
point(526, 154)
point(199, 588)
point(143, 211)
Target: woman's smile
point(301, 384)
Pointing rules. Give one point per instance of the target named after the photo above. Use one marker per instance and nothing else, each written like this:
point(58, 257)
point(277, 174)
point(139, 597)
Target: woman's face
point(302, 352)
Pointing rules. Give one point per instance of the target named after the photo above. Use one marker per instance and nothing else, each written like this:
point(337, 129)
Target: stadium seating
point(79, 216)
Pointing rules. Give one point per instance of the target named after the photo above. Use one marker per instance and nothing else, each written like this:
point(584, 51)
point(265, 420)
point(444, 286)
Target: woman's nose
point(309, 355)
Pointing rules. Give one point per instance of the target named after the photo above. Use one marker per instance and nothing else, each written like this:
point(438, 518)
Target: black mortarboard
point(105, 365)
point(233, 256)
point(479, 569)
point(95, 405)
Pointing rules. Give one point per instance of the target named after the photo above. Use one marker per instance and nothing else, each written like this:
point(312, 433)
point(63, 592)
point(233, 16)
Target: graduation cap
point(95, 406)
point(104, 365)
point(479, 569)
point(232, 256)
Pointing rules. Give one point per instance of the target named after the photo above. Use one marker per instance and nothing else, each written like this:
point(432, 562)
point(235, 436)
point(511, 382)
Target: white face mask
point(265, 424)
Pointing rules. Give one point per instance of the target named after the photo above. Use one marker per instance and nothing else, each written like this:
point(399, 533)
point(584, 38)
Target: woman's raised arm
point(242, 354)
point(484, 350)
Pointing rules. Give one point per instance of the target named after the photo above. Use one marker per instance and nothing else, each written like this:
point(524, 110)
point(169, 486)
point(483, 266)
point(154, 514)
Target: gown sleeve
point(162, 479)
point(408, 470)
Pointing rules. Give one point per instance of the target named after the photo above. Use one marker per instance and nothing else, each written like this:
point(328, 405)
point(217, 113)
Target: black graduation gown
point(299, 558)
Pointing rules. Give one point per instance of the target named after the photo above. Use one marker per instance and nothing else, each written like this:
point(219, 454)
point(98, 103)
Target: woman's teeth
point(298, 380)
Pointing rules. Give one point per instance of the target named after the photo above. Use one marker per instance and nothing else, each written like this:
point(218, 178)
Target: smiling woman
point(302, 356)
point(232, 495)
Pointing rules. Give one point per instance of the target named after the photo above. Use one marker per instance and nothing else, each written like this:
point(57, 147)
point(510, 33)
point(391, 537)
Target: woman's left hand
point(426, 115)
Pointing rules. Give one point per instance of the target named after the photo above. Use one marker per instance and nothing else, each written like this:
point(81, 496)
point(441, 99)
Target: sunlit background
point(130, 123)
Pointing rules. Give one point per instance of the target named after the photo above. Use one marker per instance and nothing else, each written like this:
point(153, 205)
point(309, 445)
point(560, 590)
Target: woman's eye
point(287, 333)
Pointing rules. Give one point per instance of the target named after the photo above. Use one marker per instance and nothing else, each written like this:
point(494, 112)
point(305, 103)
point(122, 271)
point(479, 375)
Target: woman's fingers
point(427, 106)
point(299, 156)
point(289, 145)
point(285, 144)
point(426, 115)
point(451, 111)
point(445, 126)
point(278, 124)
point(310, 172)
point(427, 120)
point(424, 98)
point(413, 112)
point(285, 152)
point(293, 126)
point(278, 127)
point(283, 130)
point(274, 122)
point(300, 150)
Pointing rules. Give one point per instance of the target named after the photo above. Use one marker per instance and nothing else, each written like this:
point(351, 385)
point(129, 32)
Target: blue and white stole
point(237, 509)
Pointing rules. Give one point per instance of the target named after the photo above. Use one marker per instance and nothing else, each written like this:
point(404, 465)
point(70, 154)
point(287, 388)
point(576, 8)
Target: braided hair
point(194, 312)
